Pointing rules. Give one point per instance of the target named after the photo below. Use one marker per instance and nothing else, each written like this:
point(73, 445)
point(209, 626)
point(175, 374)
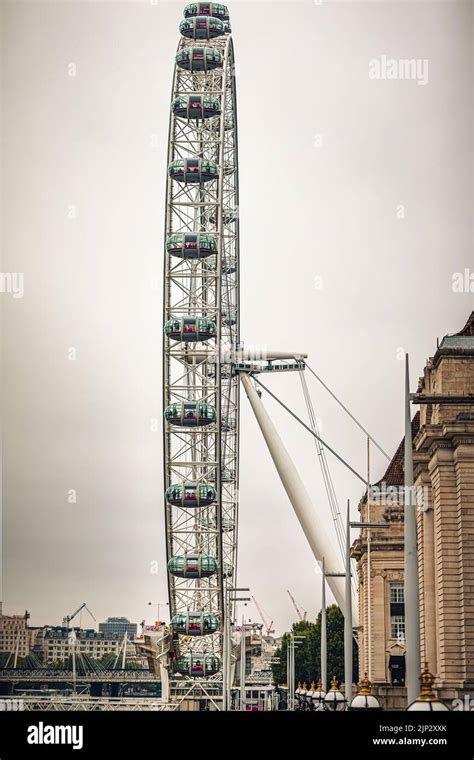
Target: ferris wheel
point(201, 330)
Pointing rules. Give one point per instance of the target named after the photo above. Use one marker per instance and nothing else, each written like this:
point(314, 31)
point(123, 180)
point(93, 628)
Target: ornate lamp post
point(335, 699)
point(365, 700)
point(427, 699)
point(318, 697)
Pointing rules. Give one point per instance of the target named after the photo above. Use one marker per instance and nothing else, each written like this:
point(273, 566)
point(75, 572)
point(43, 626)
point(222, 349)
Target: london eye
point(201, 330)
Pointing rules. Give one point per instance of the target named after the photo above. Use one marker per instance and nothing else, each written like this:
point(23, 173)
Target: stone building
point(444, 466)
point(14, 634)
point(57, 643)
point(379, 555)
point(443, 445)
point(119, 626)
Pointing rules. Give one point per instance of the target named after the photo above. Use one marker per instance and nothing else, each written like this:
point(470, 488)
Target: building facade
point(14, 634)
point(444, 467)
point(119, 626)
point(57, 643)
point(443, 446)
point(379, 555)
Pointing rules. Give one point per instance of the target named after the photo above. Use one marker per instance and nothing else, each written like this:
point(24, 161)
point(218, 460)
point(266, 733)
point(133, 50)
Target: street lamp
point(334, 699)
point(293, 642)
point(411, 576)
point(348, 631)
point(427, 699)
point(318, 697)
point(229, 597)
point(158, 605)
point(365, 701)
point(301, 695)
point(348, 608)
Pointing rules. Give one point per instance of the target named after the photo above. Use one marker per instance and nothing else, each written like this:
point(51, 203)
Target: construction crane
point(301, 615)
point(68, 618)
point(268, 626)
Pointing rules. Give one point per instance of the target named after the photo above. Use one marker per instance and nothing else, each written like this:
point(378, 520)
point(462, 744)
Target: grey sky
point(326, 157)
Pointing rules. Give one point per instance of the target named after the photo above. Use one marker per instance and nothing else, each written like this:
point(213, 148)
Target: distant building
point(35, 639)
point(119, 626)
point(57, 643)
point(14, 633)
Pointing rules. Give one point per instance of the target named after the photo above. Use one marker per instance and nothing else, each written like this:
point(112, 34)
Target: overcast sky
point(356, 211)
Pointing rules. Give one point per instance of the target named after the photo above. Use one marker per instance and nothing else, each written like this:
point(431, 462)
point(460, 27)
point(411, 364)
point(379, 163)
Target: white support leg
point(306, 513)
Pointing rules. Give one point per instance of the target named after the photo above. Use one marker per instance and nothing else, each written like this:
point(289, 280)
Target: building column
point(379, 643)
point(362, 635)
point(428, 621)
point(451, 654)
point(464, 469)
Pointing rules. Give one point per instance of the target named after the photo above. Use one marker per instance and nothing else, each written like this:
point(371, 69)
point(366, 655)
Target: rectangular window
point(398, 627)
point(397, 593)
point(397, 600)
point(397, 611)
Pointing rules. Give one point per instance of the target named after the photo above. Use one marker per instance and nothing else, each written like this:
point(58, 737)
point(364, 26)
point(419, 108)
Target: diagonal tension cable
point(318, 438)
point(329, 486)
point(328, 482)
point(359, 425)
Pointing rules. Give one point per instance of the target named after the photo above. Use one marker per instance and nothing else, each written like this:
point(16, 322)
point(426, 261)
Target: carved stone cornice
point(464, 441)
point(394, 575)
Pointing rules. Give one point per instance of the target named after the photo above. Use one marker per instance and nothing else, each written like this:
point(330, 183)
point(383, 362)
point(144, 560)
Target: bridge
point(79, 702)
point(49, 675)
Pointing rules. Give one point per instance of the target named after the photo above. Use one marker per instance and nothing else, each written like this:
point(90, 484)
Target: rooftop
point(394, 474)
point(461, 342)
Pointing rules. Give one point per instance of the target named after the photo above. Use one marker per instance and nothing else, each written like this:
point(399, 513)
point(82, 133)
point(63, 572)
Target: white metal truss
point(78, 703)
point(192, 372)
point(206, 690)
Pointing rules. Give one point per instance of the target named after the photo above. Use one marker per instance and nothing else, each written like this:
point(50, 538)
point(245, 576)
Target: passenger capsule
point(197, 664)
point(199, 59)
point(229, 318)
point(195, 107)
point(228, 475)
point(228, 423)
point(228, 265)
point(227, 524)
point(190, 329)
point(193, 170)
point(228, 216)
point(227, 370)
point(190, 495)
point(202, 27)
point(207, 9)
point(190, 414)
point(228, 570)
point(186, 245)
point(192, 565)
point(194, 623)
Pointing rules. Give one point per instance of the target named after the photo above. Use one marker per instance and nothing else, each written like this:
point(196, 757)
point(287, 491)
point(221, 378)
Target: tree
point(308, 653)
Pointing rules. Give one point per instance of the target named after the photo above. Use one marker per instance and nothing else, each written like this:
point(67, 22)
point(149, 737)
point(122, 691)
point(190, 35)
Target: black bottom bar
point(386, 734)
